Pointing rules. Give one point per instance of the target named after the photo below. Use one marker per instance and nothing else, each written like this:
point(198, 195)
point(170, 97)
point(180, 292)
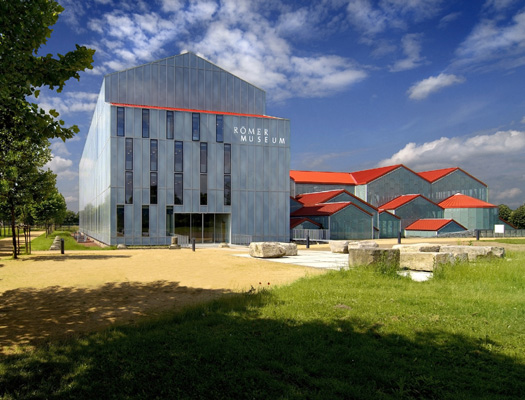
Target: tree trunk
point(13, 231)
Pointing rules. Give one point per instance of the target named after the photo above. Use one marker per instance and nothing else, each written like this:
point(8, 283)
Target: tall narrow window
point(120, 220)
point(129, 154)
point(153, 155)
point(227, 158)
point(204, 158)
point(204, 189)
point(219, 129)
point(196, 126)
point(120, 121)
point(145, 220)
point(153, 188)
point(170, 125)
point(169, 221)
point(227, 190)
point(145, 123)
point(129, 187)
point(227, 174)
point(179, 156)
point(178, 189)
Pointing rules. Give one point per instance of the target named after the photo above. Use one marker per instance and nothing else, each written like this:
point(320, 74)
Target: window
point(153, 188)
point(120, 221)
point(204, 158)
point(196, 126)
point(145, 123)
point(129, 187)
point(227, 158)
point(170, 125)
point(227, 190)
point(145, 220)
point(219, 129)
point(120, 121)
point(178, 189)
point(129, 154)
point(204, 189)
point(179, 156)
point(169, 221)
point(227, 174)
point(153, 155)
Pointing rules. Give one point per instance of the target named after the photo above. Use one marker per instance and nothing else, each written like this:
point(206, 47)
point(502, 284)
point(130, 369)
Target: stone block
point(56, 245)
point(422, 247)
point(428, 261)
point(289, 248)
point(267, 250)
point(475, 252)
point(224, 245)
point(339, 246)
point(373, 256)
point(121, 246)
point(362, 244)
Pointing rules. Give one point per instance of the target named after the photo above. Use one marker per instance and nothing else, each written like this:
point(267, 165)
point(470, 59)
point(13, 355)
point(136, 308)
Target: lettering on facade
point(257, 135)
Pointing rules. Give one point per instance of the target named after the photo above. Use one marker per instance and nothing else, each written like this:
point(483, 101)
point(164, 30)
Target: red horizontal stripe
point(192, 110)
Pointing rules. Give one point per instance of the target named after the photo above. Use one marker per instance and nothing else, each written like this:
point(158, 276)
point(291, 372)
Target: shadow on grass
point(225, 350)
point(31, 316)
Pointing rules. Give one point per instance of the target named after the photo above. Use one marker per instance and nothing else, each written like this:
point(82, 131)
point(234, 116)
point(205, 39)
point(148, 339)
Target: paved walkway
point(311, 258)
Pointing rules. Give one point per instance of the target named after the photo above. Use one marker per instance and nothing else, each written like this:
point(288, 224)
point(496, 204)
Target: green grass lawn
point(347, 334)
point(44, 243)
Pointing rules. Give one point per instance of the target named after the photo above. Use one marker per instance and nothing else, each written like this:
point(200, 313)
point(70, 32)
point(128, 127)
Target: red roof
point(463, 201)
point(321, 177)
point(317, 197)
point(436, 174)
point(431, 224)
point(298, 221)
point(325, 209)
point(398, 201)
point(369, 175)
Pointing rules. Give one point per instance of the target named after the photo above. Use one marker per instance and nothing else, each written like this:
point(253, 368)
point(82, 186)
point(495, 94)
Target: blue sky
point(425, 83)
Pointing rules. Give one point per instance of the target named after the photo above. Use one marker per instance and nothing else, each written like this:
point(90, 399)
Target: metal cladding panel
point(351, 223)
point(458, 182)
point(393, 184)
point(419, 208)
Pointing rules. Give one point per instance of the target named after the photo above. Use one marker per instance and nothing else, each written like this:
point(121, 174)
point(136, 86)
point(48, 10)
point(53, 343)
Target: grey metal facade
point(219, 187)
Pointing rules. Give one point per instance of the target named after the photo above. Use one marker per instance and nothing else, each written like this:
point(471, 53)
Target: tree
point(71, 218)
point(517, 217)
point(50, 210)
point(504, 212)
point(25, 128)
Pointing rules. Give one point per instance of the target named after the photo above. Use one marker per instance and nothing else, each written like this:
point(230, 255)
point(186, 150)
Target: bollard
point(193, 244)
point(399, 237)
point(61, 246)
point(477, 234)
point(307, 241)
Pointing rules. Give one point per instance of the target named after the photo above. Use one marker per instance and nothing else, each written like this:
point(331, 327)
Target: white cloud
point(491, 41)
point(62, 167)
point(58, 147)
point(424, 88)
point(447, 19)
point(67, 102)
point(411, 44)
point(507, 195)
point(450, 151)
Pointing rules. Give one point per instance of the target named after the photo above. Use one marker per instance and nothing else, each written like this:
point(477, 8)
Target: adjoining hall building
point(439, 200)
point(181, 146)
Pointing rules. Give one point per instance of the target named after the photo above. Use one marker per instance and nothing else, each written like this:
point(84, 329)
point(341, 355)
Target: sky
point(425, 83)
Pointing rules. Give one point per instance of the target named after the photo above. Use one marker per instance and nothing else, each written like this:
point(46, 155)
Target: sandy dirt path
point(49, 295)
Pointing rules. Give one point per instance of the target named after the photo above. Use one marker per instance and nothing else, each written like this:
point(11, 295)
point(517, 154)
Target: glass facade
point(244, 189)
point(120, 122)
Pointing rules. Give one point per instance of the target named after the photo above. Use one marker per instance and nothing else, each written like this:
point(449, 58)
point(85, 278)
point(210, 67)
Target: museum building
point(180, 146)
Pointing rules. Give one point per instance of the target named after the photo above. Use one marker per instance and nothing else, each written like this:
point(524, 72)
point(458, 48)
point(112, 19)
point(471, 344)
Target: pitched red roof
point(463, 201)
point(369, 175)
point(398, 201)
point(431, 224)
point(322, 177)
point(436, 174)
point(324, 209)
point(317, 197)
point(298, 221)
